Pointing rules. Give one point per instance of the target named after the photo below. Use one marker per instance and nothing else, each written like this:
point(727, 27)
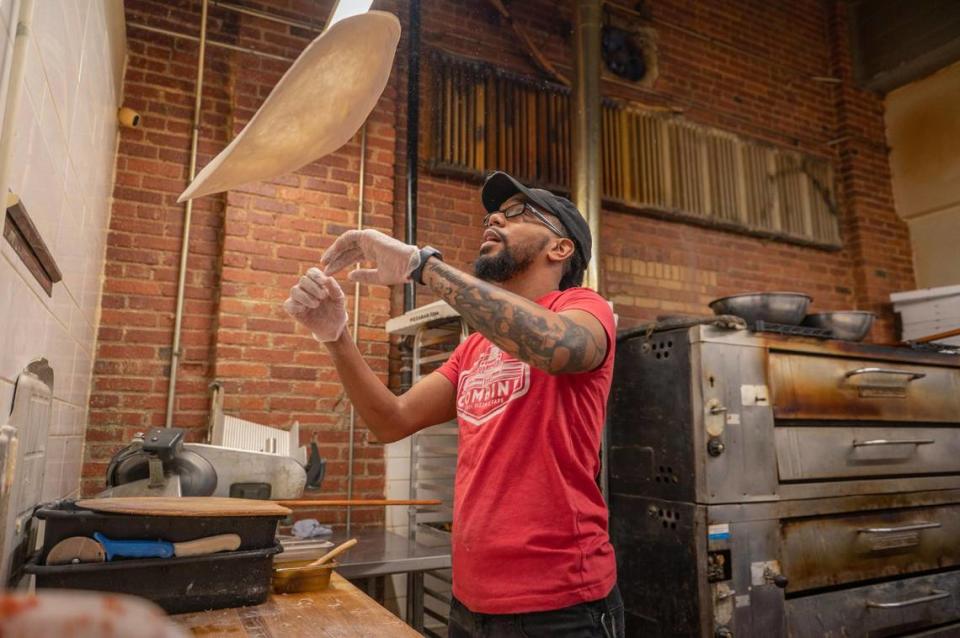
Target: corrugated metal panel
point(722, 169)
point(485, 122)
point(486, 119)
point(688, 174)
point(633, 156)
point(758, 194)
point(789, 183)
point(820, 188)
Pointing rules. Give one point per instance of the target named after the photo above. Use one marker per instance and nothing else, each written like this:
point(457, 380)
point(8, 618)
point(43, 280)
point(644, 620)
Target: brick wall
point(761, 70)
point(747, 67)
point(131, 368)
point(247, 249)
point(877, 240)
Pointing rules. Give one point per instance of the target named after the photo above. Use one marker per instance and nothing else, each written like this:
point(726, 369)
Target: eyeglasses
point(515, 210)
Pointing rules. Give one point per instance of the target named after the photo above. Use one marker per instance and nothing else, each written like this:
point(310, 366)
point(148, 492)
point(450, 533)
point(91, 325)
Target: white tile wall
point(64, 146)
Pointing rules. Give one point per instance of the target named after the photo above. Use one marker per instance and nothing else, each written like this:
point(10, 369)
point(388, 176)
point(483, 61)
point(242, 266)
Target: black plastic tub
point(179, 585)
point(65, 519)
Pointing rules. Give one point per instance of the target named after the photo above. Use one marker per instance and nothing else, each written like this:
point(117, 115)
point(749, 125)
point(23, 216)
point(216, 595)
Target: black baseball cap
point(499, 187)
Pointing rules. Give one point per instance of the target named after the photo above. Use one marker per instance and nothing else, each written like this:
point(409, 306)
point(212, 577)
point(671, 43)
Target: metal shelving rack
point(436, 330)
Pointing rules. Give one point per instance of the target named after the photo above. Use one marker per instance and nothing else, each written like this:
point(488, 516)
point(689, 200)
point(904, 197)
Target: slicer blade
point(76, 549)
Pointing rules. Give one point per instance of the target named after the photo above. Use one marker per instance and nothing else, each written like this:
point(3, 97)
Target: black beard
point(506, 264)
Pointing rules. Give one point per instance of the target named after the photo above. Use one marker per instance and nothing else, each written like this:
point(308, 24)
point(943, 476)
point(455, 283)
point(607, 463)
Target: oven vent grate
point(659, 349)
point(668, 518)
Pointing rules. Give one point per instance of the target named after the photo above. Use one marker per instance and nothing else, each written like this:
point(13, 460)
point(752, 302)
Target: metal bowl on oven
point(848, 325)
point(786, 308)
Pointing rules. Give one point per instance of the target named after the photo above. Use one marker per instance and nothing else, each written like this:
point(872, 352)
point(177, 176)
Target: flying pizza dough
point(315, 108)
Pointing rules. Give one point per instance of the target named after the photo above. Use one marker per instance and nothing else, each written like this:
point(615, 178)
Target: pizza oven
point(769, 485)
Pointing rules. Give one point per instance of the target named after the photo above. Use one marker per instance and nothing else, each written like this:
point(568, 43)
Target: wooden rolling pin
point(353, 502)
point(940, 335)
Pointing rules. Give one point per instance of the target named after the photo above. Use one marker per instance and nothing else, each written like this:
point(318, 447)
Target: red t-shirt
point(529, 521)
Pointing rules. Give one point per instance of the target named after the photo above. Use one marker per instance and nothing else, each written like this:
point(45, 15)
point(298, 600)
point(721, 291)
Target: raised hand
point(393, 259)
point(317, 302)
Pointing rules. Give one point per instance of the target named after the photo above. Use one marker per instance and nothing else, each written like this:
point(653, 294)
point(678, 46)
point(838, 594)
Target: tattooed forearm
point(529, 332)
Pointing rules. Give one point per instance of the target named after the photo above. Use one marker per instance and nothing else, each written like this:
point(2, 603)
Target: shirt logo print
point(485, 390)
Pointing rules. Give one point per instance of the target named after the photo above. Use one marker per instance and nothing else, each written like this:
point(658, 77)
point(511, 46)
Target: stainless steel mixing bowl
point(787, 308)
point(849, 325)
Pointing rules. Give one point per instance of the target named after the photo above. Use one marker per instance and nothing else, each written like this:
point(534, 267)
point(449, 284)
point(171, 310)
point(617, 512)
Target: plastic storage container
point(928, 311)
point(178, 585)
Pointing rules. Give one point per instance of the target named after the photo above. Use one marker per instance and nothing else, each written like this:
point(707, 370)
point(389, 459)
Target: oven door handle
point(912, 376)
point(903, 528)
point(935, 594)
point(893, 442)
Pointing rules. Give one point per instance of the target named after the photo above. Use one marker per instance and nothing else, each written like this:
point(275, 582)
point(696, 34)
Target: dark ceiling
point(898, 41)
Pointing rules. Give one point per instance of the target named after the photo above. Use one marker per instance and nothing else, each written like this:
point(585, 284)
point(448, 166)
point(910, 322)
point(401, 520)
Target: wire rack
point(795, 331)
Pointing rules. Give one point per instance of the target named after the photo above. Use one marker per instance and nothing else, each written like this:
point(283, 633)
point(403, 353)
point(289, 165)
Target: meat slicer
point(160, 463)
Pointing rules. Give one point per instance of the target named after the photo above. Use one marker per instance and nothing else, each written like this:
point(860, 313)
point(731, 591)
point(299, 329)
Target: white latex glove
point(394, 259)
point(318, 303)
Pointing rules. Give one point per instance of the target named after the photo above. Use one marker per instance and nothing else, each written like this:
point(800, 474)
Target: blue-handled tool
point(134, 549)
point(80, 549)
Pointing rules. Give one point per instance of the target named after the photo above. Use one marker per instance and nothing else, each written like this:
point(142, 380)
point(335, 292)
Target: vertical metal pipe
point(586, 124)
point(413, 130)
point(175, 354)
point(356, 316)
point(586, 127)
point(11, 87)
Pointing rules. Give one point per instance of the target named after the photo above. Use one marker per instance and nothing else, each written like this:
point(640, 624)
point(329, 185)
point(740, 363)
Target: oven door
point(842, 452)
point(895, 608)
point(826, 551)
point(818, 388)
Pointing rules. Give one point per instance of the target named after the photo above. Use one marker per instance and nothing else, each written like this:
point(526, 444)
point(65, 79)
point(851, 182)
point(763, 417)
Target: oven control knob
point(776, 578)
point(715, 447)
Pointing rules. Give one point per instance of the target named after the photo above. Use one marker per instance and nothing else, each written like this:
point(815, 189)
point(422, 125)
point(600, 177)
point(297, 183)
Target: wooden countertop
point(340, 611)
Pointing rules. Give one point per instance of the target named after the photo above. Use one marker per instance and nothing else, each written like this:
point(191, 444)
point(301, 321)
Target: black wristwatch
point(425, 253)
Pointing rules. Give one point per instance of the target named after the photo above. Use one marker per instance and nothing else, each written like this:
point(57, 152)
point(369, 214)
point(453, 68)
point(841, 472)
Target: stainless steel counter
point(379, 553)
